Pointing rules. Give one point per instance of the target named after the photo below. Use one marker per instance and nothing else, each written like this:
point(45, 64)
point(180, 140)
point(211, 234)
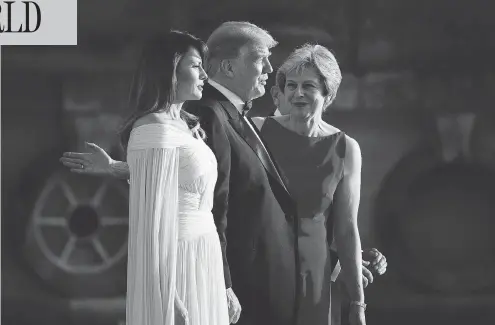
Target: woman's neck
point(173, 112)
point(310, 127)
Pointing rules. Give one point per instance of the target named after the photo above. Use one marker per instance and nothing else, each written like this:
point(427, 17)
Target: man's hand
point(181, 314)
point(373, 262)
point(94, 162)
point(376, 261)
point(234, 306)
point(367, 275)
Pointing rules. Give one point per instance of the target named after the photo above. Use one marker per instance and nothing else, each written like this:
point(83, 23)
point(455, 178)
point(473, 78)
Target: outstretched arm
point(95, 162)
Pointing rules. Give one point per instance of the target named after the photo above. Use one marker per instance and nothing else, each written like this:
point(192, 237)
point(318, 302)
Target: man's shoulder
point(211, 114)
point(204, 107)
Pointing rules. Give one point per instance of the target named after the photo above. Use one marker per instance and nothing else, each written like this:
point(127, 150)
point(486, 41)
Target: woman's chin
point(301, 114)
point(304, 113)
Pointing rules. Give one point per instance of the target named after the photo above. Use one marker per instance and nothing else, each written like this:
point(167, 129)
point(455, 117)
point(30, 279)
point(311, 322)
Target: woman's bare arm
point(347, 238)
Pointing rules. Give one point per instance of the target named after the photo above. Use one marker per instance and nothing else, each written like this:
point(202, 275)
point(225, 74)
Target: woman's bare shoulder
point(152, 119)
point(353, 156)
point(147, 119)
point(328, 129)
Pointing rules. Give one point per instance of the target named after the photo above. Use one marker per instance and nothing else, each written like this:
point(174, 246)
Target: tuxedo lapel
point(249, 136)
point(247, 133)
point(262, 152)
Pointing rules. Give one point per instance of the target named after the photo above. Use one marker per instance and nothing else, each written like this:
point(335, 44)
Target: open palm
point(94, 162)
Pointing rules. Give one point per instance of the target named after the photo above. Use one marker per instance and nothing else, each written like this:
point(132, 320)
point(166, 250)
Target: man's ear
point(226, 68)
point(274, 91)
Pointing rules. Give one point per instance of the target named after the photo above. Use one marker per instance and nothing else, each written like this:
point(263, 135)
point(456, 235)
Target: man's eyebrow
point(261, 54)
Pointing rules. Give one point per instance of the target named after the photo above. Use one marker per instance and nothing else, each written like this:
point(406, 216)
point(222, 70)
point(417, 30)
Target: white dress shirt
point(233, 98)
point(236, 101)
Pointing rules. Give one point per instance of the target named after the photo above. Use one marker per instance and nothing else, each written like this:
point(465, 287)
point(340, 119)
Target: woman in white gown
point(175, 269)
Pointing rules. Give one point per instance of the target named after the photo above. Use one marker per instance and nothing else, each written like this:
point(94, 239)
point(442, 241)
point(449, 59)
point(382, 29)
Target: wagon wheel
point(77, 234)
point(434, 216)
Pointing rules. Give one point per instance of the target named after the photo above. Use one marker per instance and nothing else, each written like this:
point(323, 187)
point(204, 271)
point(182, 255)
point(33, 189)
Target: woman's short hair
point(154, 84)
point(227, 40)
point(319, 58)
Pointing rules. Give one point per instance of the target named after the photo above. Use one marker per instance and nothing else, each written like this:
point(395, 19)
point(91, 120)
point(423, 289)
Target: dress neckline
point(179, 124)
point(300, 135)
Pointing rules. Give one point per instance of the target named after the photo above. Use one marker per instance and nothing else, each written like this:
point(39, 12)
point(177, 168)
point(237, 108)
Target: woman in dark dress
point(374, 262)
point(322, 166)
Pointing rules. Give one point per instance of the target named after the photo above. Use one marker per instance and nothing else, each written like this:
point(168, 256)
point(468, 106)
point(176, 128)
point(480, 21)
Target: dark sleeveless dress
point(313, 168)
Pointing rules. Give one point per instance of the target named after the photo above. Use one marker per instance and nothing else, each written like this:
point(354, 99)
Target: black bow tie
point(247, 107)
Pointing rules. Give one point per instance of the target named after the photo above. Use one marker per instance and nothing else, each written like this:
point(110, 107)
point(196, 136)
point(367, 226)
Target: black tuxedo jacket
point(254, 213)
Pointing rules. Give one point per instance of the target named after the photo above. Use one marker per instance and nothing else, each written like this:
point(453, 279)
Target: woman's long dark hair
point(154, 84)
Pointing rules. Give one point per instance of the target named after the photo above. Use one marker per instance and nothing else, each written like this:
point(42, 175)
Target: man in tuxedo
point(254, 212)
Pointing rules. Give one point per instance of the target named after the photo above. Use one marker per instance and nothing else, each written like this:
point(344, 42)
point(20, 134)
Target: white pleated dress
point(173, 243)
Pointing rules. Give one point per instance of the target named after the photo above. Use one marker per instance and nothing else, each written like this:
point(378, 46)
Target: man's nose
point(268, 66)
